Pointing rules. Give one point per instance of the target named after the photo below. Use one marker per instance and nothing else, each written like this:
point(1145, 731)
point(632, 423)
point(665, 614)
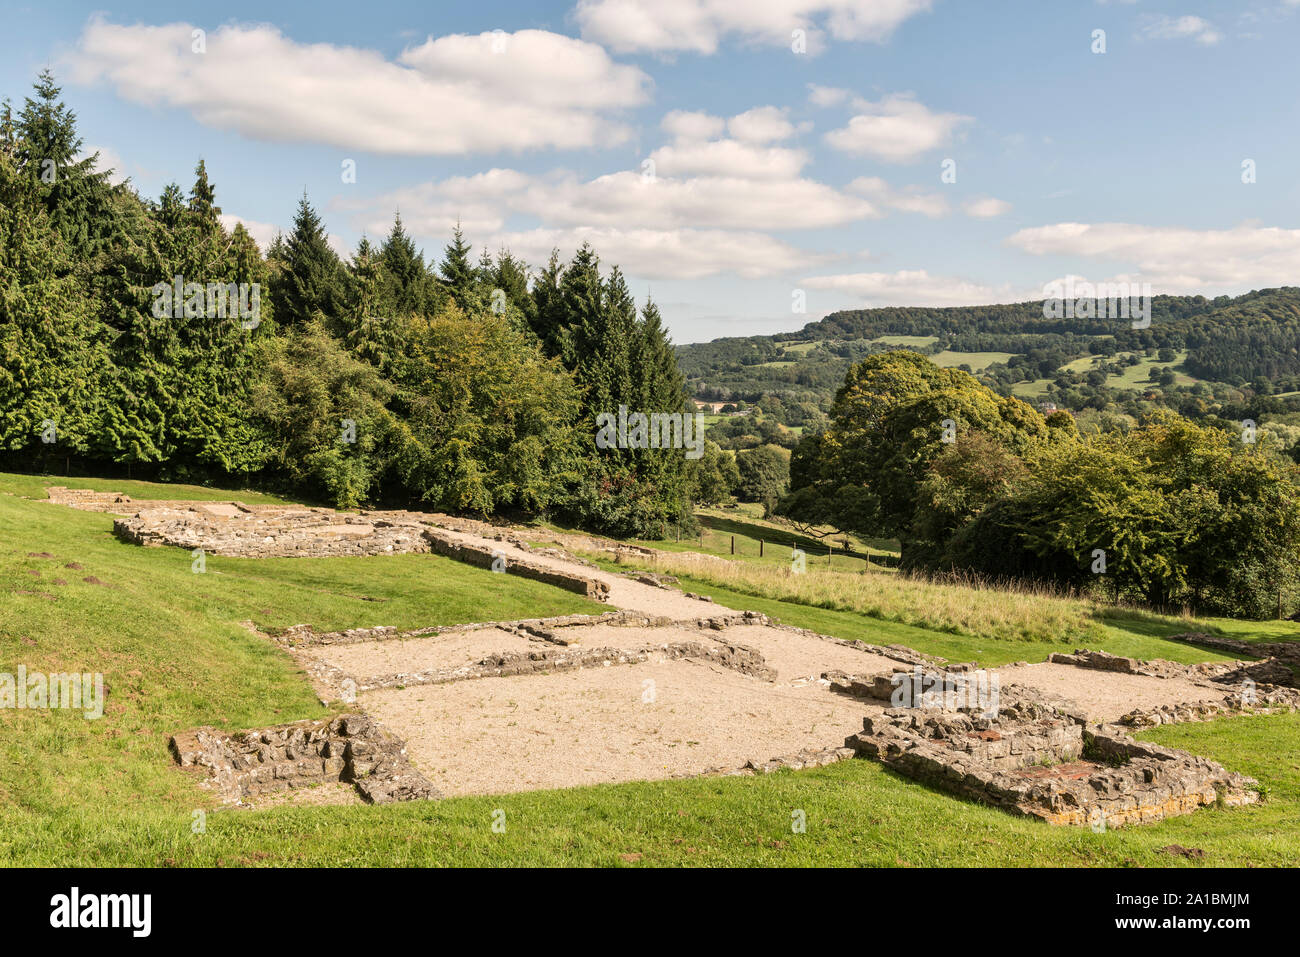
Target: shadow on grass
point(786, 537)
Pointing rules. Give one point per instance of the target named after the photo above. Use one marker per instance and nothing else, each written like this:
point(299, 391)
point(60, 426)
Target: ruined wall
point(351, 748)
point(1030, 766)
point(481, 556)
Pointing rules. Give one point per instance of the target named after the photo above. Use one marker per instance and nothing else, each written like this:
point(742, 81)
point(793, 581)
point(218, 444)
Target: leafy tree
point(894, 416)
point(493, 418)
point(764, 474)
point(714, 476)
point(311, 396)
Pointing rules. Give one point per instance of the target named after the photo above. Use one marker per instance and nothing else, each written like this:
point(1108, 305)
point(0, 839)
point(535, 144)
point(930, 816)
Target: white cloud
point(687, 125)
point(692, 183)
point(986, 207)
point(728, 158)
point(909, 200)
point(483, 203)
point(763, 124)
point(452, 95)
point(1162, 27)
point(914, 287)
point(832, 95)
point(897, 129)
point(699, 26)
point(263, 233)
point(1175, 259)
point(667, 254)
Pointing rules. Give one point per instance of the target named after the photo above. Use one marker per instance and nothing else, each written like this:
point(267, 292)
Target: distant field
point(745, 525)
point(1034, 389)
point(978, 361)
point(1138, 376)
point(906, 340)
point(800, 348)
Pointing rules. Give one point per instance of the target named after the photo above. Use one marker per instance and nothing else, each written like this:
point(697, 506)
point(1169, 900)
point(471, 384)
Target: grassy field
point(33, 486)
point(985, 625)
point(1034, 389)
point(978, 361)
point(77, 792)
point(744, 523)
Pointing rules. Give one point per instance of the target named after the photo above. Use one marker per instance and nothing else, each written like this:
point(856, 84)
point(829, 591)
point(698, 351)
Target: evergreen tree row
point(142, 337)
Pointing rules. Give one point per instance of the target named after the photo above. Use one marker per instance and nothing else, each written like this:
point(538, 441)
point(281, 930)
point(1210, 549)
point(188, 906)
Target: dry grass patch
point(967, 608)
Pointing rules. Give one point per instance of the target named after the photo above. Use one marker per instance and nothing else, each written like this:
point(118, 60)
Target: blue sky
point(729, 174)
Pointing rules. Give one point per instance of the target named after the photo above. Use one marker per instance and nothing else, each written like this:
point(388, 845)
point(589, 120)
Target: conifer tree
point(456, 270)
point(405, 271)
point(310, 284)
point(74, 194)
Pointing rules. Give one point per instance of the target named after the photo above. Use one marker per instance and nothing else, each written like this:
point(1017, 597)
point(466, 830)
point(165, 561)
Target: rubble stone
point(351, 748)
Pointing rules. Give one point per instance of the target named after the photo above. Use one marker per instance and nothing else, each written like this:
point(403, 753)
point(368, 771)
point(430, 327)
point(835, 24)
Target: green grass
point(1035, 389)
point(1139, 376)
point(88, 793)
point(858, 815)
point(33, 486)
point(978, 361)
point(1120, 635)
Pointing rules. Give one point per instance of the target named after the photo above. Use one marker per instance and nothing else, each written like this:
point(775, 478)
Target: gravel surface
point(585, 727)
point(1104, 695)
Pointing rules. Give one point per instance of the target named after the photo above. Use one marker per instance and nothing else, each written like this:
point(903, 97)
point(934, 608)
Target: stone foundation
point(1036, 761)
point(1255, 687)
point(235, 530)
point(351, 748)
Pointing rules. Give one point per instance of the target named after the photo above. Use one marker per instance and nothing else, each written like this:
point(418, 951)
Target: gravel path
point(1105, 695)
point(623, 592)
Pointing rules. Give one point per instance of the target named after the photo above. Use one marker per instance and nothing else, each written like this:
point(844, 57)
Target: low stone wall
point(298, 635)
point(739, 658)
point(1263, 699)
point(1104, 661)
point(1281, 658)
point(480, 556)
point(351, 748)
point(1255, 687)
point(1028, 762)
point(87, 500)
point(797, 761)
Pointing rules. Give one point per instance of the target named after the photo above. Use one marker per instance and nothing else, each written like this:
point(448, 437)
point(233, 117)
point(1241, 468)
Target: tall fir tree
point(405, 272)
point(456, 270)
point(310, 283)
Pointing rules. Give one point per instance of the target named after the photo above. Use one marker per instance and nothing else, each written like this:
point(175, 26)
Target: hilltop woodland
point(459, 385)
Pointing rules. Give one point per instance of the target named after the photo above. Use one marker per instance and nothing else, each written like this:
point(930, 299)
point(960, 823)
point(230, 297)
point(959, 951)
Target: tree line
point(464, 385)
point(1170, 513)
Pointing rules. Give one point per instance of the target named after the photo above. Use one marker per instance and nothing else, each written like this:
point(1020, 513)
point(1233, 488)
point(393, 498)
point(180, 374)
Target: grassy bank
point(78, 792)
